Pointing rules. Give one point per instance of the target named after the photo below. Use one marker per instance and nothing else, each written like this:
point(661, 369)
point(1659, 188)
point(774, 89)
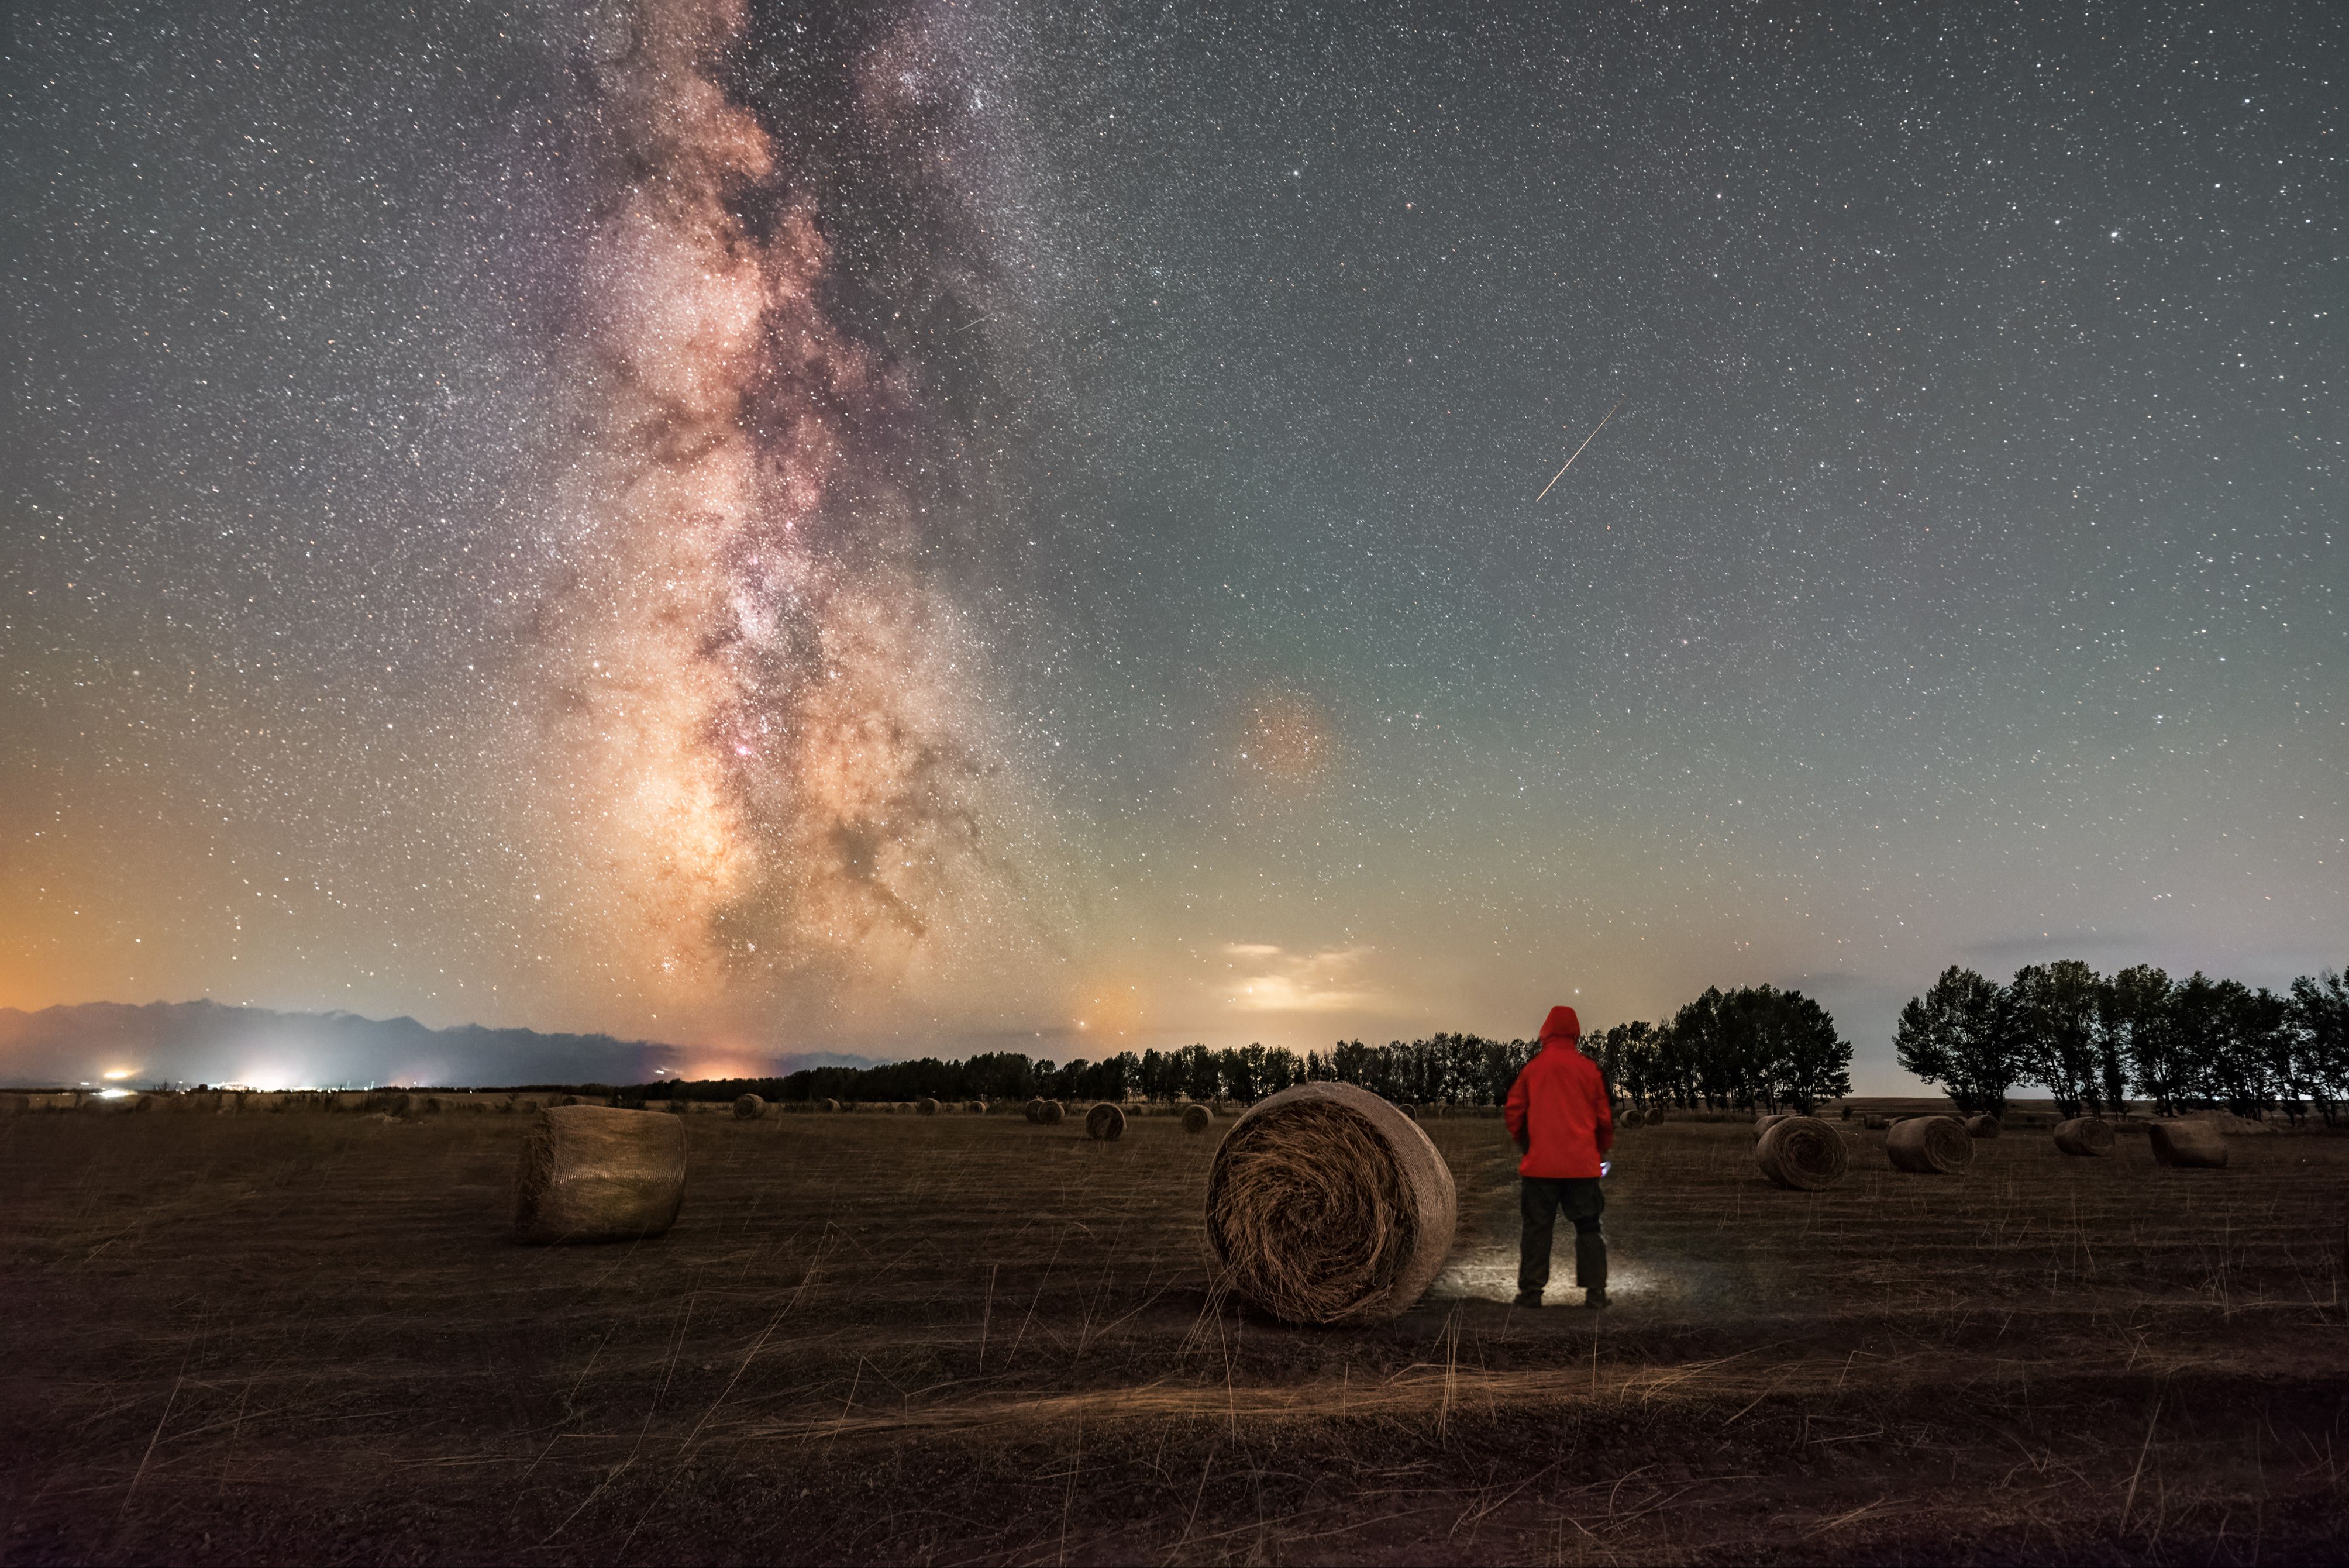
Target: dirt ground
point(306, 1337)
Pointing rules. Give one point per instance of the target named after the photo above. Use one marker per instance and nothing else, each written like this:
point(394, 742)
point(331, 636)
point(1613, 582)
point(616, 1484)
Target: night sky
point(930, 528)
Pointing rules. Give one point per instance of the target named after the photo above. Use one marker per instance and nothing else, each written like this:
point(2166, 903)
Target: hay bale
point(1033, 1110)
point(1982, 1127)
point(1801, 1153)
point(1327, 1205)
point(828, 1107)
point(1105, 1123)
point(2192, 1145)
point(748, 1107)
point(1197, 1118)
point(976, 1107)
point(1052, 1114)
point(2084, 1135)
point(1762, 1124)
point(1875, 1124)
point(1929, 1146)
point(593, 1175)
point(927, 1107)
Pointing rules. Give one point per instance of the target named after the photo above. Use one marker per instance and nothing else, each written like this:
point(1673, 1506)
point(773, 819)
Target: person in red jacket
point(1559, 1117)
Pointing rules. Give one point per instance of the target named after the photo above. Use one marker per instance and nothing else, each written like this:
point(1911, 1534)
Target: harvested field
point(964, 1339)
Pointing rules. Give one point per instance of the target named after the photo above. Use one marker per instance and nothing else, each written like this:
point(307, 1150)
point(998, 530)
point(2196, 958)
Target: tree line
point(1752, 1047)
point(2094, 1041)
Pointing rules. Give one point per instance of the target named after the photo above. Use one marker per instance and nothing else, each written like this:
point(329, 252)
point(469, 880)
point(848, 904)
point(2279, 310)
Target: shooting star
point(1578, 452)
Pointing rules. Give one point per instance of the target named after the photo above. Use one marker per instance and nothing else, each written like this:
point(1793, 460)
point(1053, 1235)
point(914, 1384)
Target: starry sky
point(916, 527)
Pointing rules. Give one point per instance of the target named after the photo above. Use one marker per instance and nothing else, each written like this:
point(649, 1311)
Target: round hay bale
point(1929, 1146)
point(1875, 1124)
point(1801, 1153)
point(828, 1107)
point(1052, 1114)
point(1329, 1205)
point(1982, 1127)
point(927, 1107)
point(1105, 1123)
point(976, 1107)
point(748, 1107)
point(2195, 1145)
point(2084, 1135)
point(1197, 1118)
point(593, 1175)
point(1033, 1110)
point(1762, 1124)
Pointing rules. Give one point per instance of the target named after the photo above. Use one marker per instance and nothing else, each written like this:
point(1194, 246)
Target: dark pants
point(1539, 1199)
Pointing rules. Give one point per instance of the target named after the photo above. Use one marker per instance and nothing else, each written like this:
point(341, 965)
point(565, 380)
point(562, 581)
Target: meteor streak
point(1578, 452)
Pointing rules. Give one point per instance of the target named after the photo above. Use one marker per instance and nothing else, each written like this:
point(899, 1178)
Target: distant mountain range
point(205, 1042)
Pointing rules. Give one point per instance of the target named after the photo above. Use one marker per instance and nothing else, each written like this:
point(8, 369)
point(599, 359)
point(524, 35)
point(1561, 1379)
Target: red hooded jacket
point(1557, 1110)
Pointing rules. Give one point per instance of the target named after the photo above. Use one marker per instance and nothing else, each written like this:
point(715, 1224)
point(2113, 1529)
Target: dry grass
point(305, 1337)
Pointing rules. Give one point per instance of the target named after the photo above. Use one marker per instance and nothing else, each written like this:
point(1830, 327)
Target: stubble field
point(306, 1337)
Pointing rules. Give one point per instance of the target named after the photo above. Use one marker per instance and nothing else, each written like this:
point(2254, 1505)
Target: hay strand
point(1929, 1146)
point(1105, 1123)
point(2188, 1145)
point(593, 1175)
point(1801, 1153)
point(1327, 1205)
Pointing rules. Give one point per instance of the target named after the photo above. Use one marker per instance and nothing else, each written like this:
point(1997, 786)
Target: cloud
point(1269, 979)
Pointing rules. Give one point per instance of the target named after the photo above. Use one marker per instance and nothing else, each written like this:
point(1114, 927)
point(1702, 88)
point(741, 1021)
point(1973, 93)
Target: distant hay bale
point(748, 1107)
point(2195, 1145)
point(1105, 1123)
point(2084, 1135)
point(1033, 1110)
point(927, 1107)
point(1052, 1114)
point(1982, 1127)
point(1197, 1118)
point(1875, 1124)
point(593, 1175)
point(1801, 1153)
point(1929, 1146)
point(1327, 1205)
point(976, 1106)
point(829, 1106)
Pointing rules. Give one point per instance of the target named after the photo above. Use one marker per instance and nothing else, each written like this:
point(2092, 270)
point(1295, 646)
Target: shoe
point(1595, 1297)
point(1528, 1299)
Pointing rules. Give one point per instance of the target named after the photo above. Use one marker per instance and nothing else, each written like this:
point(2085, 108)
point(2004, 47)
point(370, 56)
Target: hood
point(1562, 1026)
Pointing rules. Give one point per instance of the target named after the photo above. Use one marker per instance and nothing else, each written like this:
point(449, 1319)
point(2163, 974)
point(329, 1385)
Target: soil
point(308, 1337)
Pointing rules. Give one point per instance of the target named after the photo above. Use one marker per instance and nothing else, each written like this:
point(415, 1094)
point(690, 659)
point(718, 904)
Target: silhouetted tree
point(2051, 1020)
point(2319, 1024)
point(1957, 1035)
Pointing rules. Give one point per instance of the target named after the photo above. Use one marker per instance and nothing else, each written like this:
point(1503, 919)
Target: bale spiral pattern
point(1327, 1205)
point(1801, 1153)
point(1196, 1118)
point(1105, 1123)
point(2084, 1135)
point(1929, 1146)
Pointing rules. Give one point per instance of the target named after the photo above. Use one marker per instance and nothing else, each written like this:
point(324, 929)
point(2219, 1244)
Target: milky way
point(760, 714)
